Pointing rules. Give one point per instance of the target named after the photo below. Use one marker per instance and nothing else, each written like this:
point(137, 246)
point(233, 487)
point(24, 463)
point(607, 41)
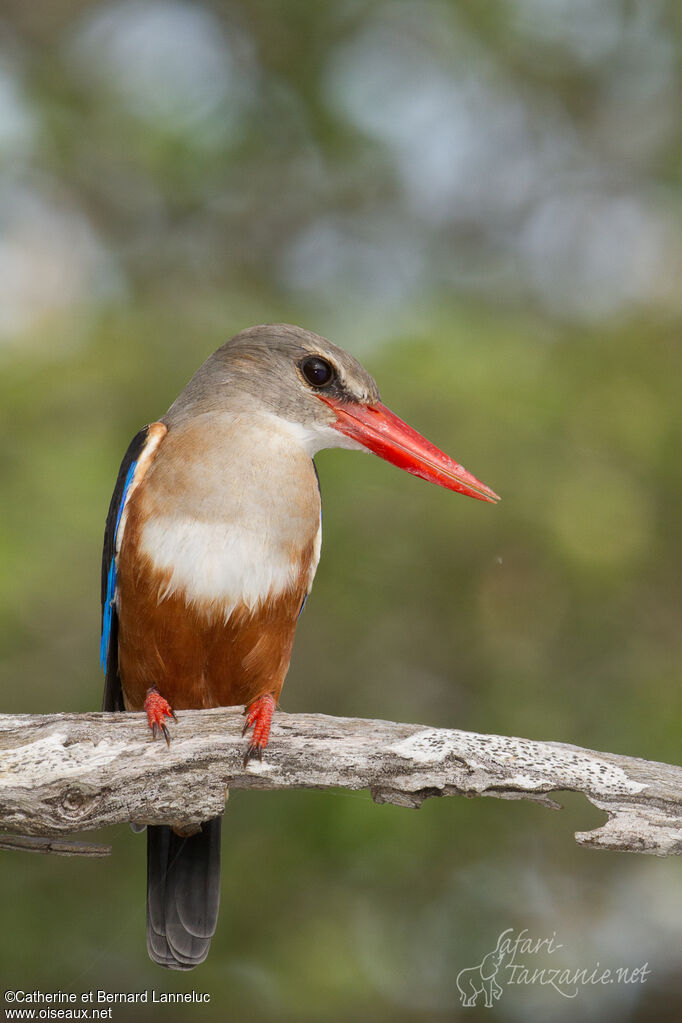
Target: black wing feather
point(113, 694)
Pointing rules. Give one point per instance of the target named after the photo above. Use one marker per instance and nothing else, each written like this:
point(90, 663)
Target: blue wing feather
point(113, 695)
point(108, 606)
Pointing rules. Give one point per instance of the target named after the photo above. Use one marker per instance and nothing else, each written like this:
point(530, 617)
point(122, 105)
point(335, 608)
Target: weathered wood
point(62, 773)
point(54, 846)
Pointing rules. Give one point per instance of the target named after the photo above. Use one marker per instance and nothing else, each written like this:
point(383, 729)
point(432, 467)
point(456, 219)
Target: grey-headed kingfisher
point(210, 549)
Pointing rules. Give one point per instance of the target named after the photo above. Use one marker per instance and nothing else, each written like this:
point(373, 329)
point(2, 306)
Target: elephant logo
point(480, 980)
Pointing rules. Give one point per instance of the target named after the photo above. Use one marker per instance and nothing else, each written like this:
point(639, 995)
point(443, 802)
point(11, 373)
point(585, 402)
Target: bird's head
point(322, 393)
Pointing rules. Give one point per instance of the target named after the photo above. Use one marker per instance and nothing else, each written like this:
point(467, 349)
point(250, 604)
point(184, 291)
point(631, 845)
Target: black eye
point(317, 371)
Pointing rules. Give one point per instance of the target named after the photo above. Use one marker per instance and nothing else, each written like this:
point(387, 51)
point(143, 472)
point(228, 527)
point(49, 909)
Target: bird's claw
point(158, 708)
point(157, 729)
point(259, 714)
point(253, 752)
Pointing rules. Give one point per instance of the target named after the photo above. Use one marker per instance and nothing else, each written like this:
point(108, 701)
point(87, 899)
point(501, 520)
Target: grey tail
point(183, 894)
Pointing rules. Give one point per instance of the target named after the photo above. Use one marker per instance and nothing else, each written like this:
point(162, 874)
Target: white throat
point(315, 437)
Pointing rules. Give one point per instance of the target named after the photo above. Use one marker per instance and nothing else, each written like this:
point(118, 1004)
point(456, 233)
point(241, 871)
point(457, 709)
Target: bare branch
point(62, 773)
point(28, 843)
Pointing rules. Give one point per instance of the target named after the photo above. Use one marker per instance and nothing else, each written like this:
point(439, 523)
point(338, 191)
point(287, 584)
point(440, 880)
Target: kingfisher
point(210, 548)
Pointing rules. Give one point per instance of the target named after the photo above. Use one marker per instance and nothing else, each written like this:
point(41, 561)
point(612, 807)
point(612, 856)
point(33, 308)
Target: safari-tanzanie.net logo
point(520, 960)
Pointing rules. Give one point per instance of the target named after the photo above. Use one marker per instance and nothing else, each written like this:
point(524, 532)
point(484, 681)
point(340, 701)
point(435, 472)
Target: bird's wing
point(319, 491)
point(147, 438)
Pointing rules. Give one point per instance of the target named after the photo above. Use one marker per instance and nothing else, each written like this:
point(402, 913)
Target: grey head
point(320, 395)
point(280, 370)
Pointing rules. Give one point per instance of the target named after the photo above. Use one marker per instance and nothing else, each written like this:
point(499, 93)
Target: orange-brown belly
point(190, 652)
point(194, 657)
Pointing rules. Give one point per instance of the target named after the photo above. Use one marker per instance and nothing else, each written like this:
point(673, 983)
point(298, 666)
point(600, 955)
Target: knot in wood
point(75, 804)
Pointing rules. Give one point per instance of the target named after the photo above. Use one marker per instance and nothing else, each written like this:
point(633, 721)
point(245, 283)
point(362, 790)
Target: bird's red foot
point(158, 709)
point(259, 714)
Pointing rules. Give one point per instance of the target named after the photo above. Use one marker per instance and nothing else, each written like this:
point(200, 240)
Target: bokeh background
point(481, 201)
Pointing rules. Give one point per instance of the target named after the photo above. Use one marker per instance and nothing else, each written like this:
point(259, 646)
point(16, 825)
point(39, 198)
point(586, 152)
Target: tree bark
point(63, 773)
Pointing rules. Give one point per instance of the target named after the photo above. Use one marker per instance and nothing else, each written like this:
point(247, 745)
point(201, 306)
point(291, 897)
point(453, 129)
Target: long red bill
point(384, 433)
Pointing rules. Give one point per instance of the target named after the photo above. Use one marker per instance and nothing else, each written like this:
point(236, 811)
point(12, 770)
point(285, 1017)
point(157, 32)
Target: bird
point(211, 544)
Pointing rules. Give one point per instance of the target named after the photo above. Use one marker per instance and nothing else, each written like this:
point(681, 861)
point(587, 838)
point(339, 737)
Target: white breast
point(229, 509)
point(220, 563)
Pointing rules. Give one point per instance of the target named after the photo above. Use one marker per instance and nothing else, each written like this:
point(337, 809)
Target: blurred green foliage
point(550, 616)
